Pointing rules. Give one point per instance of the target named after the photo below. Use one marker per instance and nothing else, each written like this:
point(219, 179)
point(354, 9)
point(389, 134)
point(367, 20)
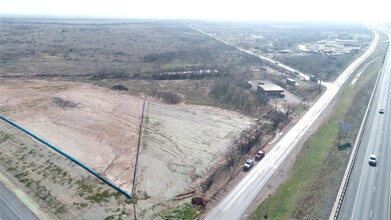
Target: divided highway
point(235, 204)
point(369, 190)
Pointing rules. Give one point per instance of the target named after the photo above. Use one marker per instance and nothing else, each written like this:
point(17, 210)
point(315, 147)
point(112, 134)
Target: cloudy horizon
point(251, 10)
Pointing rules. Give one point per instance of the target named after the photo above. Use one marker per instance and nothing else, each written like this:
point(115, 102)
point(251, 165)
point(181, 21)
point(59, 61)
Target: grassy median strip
point(310, 191)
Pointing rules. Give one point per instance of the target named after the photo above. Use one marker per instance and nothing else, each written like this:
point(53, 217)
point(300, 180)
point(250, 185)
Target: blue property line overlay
point(129, 196)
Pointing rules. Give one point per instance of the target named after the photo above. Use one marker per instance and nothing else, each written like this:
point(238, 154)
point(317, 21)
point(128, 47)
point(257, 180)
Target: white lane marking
point(377, 170)
point(370, 216)
point(389, 197)
point(10, 207)
point(374, 189)
point(359, 185)
point(358, 190)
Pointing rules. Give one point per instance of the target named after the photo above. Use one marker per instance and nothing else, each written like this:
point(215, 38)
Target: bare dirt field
point(180, 144)
point(97, 126)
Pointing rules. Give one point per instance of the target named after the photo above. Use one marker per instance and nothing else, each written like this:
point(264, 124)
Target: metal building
point(271, 90)
point(290, 82)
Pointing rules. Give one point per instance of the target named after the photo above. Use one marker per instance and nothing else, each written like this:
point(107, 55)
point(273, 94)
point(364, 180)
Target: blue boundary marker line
point(97, 175)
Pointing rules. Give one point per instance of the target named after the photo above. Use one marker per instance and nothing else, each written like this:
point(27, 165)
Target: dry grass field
point(94, 49)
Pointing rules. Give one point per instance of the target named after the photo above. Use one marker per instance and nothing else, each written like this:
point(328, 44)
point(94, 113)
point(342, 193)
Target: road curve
point(368, 192)
point(234, 205)
point(12, 208)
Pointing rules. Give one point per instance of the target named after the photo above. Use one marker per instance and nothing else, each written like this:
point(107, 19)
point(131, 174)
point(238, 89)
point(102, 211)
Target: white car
point(249, 163)
point(372, 160)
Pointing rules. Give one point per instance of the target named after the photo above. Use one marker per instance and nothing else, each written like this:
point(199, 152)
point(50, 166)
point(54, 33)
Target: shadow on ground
point(344, 146)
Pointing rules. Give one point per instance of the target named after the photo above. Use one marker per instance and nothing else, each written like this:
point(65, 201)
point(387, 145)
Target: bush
point(185, 211)
point(119, 88)
point(169, 97)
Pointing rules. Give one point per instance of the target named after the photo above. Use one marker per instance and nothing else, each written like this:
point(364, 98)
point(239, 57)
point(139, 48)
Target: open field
point(94, 125)
point(314, 181)
point(102, 49)
point(99, 127)
point(53, 186)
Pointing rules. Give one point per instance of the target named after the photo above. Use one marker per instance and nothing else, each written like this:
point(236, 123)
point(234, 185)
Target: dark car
point(372, 160)
point(259, 155)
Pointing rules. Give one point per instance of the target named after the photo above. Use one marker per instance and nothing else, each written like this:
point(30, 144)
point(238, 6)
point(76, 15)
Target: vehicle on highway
point(249, 163)
point(381, 111)
point(259, 155)
point(372, 160)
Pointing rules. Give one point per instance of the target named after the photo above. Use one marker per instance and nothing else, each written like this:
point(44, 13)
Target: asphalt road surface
point(368, 192)
point(11, 208)
point(235, 204)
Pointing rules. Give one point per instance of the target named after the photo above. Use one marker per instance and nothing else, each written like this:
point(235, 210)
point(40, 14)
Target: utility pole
point(320, 82)
point(286, 109)
point(286, 113)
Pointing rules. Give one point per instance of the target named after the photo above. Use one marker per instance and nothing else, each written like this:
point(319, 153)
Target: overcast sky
point(335, 10)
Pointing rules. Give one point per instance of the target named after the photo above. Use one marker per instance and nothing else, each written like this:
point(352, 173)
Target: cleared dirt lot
point(181, 143)
point(94, 125)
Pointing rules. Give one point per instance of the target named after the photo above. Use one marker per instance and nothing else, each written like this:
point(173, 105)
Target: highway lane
point(11, 208)
point(368, 192)
point(234, 205)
